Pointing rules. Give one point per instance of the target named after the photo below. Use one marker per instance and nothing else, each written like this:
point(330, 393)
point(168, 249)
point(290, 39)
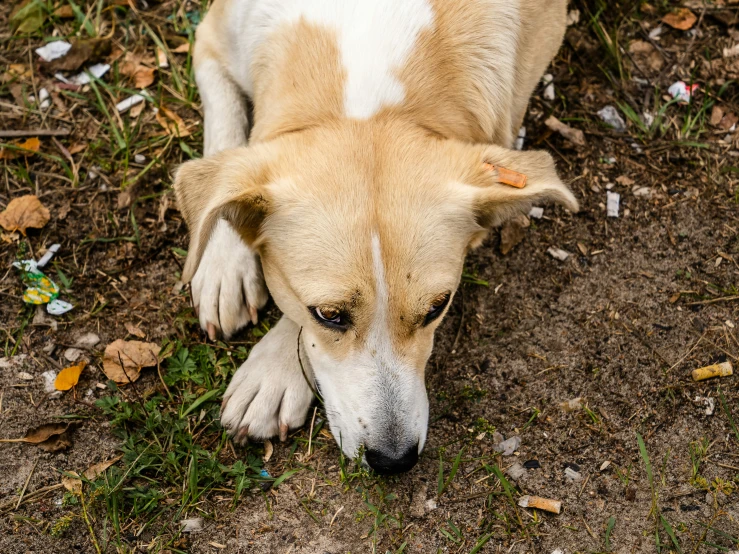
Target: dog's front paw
point(268, 395)
point(228, 288)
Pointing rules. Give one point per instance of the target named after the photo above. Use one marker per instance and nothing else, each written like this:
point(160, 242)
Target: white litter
point(520, 139)
point(709, 403)
point(124, 105)
point(612, 203)
point(558, 254)
point(536, 212)
point(25, 376)
point(605, 465)
point(49, 378)
point(656, 32)
point(44, 100)
point(573, 16)
point(731, 52)
point(610, 116)
point(53, 249)
point(53, 50)
point(58, 307)
point(83, 78)
point(139, 158)
point(192, 525)
point(572, 475)
point(682, 92)
point(548, 82)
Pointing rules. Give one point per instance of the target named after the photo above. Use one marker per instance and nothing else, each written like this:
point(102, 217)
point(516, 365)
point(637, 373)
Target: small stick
point(28, 480)
point(34, 133)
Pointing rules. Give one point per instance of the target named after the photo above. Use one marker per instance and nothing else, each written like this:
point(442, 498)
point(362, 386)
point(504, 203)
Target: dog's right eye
point(330, 317)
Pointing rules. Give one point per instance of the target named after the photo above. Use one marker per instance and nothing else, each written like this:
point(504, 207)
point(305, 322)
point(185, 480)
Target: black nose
point(385, 464)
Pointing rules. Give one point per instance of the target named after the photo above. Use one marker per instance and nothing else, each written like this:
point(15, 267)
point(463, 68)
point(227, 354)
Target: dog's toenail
point(283, 432)
point(211, 331)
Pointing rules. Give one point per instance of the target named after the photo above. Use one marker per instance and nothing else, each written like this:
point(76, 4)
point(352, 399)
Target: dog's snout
point(386, 464)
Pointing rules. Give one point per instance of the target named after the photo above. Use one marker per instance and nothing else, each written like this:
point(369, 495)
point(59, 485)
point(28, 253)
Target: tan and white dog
point(379, 134)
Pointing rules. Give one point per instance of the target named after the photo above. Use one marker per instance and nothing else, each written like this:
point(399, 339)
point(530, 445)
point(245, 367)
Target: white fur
point(268, 390)
point(228, 274)
point(375, 37)
point(373, 398)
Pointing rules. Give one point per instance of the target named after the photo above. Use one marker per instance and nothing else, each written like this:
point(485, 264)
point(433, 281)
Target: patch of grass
point(727, 411)
point(174, 452)
point(444, 483)
point(609, 529)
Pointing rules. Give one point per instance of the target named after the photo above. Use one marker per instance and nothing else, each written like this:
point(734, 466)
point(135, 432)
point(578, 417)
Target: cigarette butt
point(508, 176)
point(546, 504)
point(716, 370)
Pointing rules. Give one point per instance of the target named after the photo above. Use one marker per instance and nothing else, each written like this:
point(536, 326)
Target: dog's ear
point(507, 182)
point(230, 185)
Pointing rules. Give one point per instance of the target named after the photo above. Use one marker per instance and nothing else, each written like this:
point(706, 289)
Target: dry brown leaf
point(24, 212)
point(29, 146)
point(134, 355)
point(132, 67)
point(681, 19)
point(646, 56)
point(135, 331)
point(16, 71)
point(64, 12)
point(513, 232)
point(69, 376)
point(82, 52)
point(51, 437)
point(728, 121)
point(172, 123)
point(73, 483)
point(182, 48)
point(624, 180)
point(575, 136)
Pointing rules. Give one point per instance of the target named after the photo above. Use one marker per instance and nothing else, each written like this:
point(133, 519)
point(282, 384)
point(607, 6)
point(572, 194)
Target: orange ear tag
point(507, 176)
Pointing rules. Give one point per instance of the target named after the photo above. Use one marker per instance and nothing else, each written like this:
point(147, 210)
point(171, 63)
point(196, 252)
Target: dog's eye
point(437, 307)
point(330, 317)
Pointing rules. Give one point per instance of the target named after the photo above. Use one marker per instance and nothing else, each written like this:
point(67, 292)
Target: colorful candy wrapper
point(41, 289)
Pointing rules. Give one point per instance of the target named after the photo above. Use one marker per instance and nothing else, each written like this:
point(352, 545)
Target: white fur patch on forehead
point(375, 38)
point(379, 271)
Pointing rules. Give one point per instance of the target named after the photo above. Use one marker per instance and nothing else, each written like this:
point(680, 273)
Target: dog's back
point(462, 69)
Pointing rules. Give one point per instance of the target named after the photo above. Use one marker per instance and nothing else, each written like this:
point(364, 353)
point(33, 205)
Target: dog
point(379, 154)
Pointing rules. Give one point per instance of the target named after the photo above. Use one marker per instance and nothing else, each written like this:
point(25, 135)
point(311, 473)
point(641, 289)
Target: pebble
point(418, 501)
point(192, 525)
point(558, 253)
point(605, 465)
point(536, 212)
point(515, 471)
point(25, 376)
point(72, 354)
point(573, 475)
point(139, 158)
point(508, 446)
point(88, 340)
point(610, 116)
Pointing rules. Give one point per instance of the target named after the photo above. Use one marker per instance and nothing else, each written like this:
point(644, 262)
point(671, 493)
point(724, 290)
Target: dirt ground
point(641, 301)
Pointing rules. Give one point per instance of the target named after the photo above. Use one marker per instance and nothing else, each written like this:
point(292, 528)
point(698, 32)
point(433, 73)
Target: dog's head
point(362, 229)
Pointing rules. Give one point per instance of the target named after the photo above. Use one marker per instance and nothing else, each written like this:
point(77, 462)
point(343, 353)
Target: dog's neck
point(304, 78)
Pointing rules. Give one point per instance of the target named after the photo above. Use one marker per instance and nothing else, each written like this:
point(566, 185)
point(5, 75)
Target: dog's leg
point(228, 287)
point(269, 394)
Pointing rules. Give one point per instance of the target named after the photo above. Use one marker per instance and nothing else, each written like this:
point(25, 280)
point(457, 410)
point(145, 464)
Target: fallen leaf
point(134, 355)
point(64, 12)
point(132, 67)
point(717, 114)
point(135, 331)
point(24, 212)
point(575, 136)
point(28, 17)
point(645, 55)
point(51, 437)
point(512, 233)
point(681, 19)
point(73, 483)
point(624, 180)
point(29, 148)
point(172, 123)
point(82, 52)
point(69, 376)
point(182, 48)
point(728, 121)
